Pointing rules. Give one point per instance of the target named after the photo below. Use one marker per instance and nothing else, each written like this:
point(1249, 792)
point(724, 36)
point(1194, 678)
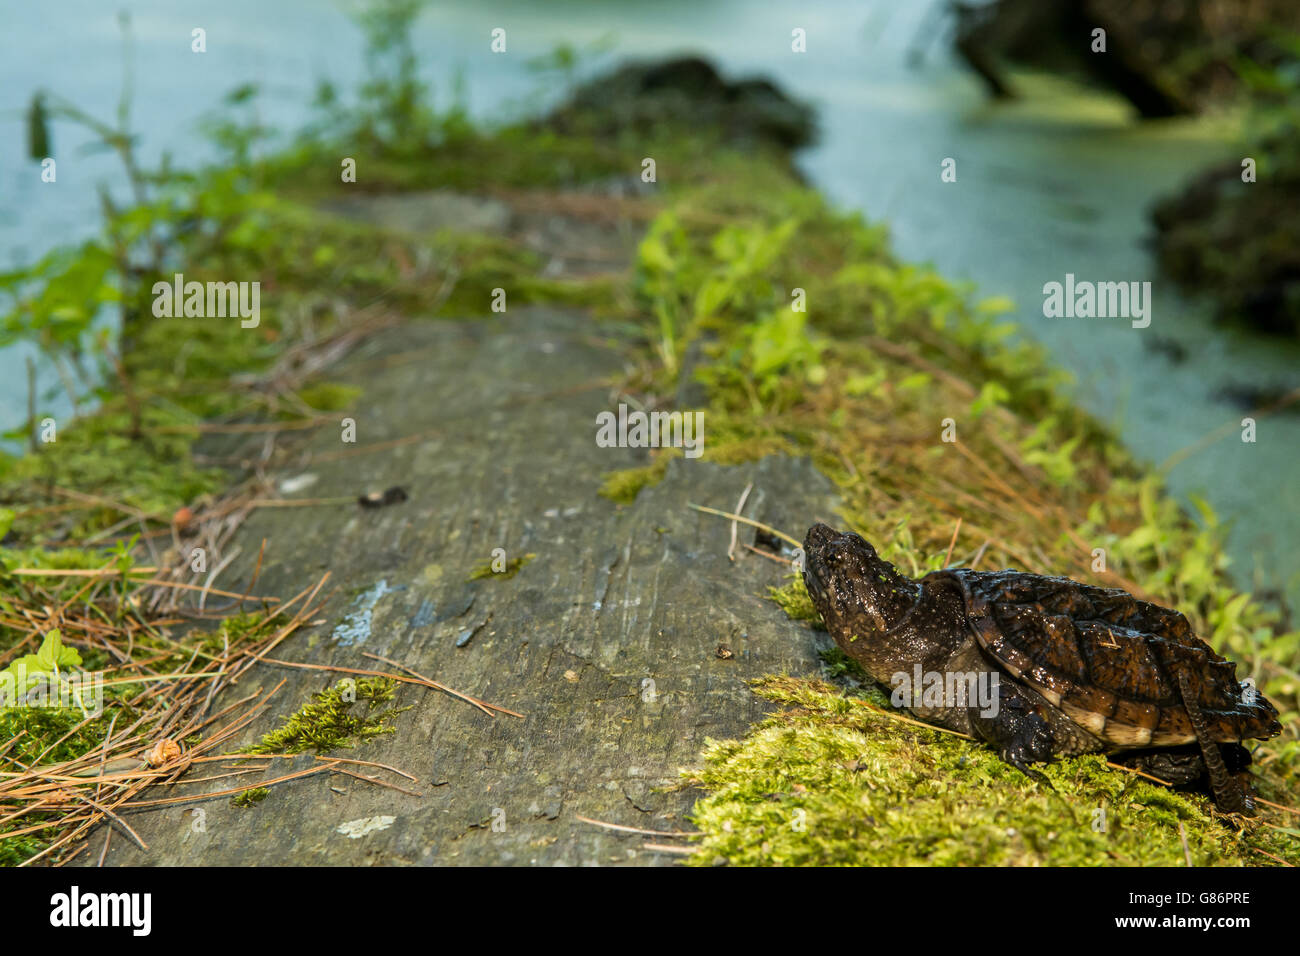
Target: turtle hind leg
point(1181, 766)
point(1229, 793)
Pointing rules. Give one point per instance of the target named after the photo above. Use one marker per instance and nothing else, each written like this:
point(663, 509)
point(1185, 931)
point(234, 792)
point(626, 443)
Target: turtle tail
point(1228, 792)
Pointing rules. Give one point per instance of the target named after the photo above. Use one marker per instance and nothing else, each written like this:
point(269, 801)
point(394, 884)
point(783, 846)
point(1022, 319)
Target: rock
point(629, 602)
point(640, 95)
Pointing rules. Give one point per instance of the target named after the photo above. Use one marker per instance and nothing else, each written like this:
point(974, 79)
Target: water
point(1057, 183)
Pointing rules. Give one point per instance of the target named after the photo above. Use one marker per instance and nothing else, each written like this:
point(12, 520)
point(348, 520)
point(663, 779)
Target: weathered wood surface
point(617, 596)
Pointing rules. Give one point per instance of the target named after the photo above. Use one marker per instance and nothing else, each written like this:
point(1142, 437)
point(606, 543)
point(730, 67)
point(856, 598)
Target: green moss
point(16, 850)
point(485, 569)
point(43, 735)
point(793, 598)
point(521, 156)
point(341, 716)
point(53, 587)
point(524, 155)
point(624, 485)
point(97, 456)
point(251, 625)
point(836, 780)
point(251, 798)
point(60, 559)
point(48, 734)
point(328, 396)
point(839, 664)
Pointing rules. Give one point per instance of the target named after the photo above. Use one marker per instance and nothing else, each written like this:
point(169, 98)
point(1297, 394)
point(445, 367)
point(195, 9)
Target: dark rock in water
point(1171, 349)
point(1057, 36)
point(1167, 59)
point(1237, 241)
point(1273, 307)
point(639, 96)
point(1250, 396)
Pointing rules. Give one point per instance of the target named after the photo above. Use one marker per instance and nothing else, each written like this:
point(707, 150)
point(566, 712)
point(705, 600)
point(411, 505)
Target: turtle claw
point(1024, 737)
point(1020, 763)
point(1014, 755)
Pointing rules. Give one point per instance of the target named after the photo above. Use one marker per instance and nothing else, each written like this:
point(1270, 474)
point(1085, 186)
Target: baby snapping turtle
point(1073, 668)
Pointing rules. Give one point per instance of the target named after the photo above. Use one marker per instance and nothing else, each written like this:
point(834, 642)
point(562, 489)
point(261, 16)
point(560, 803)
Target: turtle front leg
point(1021, 734)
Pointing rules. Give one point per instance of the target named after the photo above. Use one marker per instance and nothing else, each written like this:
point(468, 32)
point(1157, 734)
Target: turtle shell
point(1112, 663)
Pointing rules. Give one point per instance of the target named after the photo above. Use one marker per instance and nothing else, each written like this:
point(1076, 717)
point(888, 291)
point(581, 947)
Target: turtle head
point(859, 594)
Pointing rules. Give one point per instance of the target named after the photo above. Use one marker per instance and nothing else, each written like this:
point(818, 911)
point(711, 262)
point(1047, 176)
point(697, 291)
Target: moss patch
point(793, 598)
point(251, 798)
point(622, 486)
point(486, 569)
point(48, 734)
point(341, 716)
point(328, 396)
point(839, 780)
